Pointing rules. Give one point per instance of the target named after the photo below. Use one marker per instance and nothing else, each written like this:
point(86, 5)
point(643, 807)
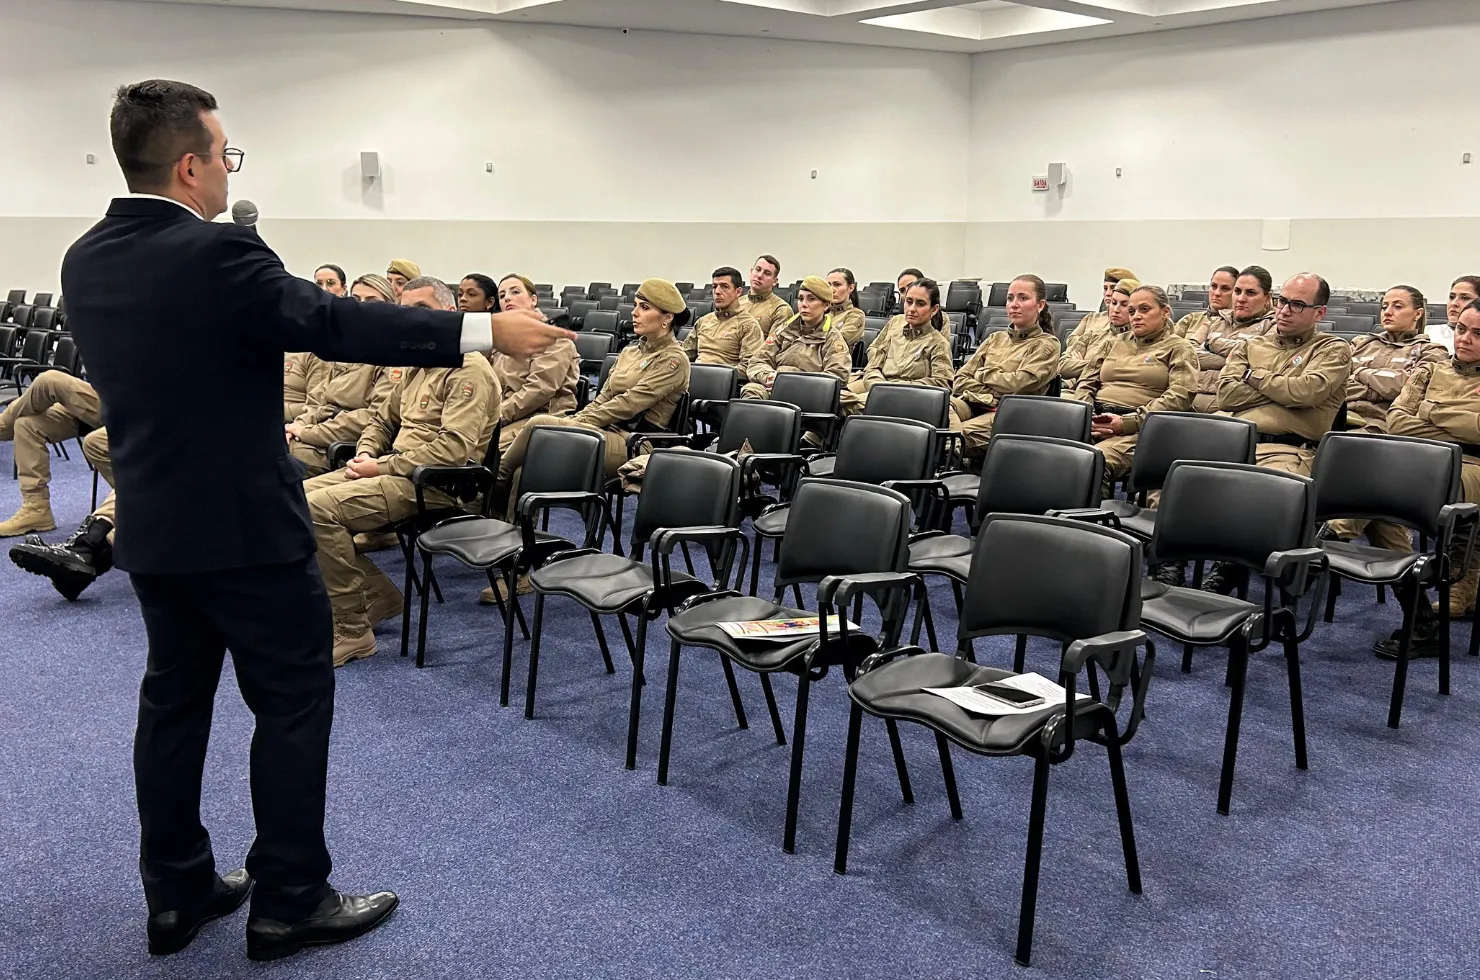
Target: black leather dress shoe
point(170, 932)
point(339, 918)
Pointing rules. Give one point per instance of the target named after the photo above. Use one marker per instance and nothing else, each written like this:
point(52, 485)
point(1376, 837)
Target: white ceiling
point(937, 25)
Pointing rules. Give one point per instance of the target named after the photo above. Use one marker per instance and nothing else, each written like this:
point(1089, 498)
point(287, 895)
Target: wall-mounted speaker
point(1058, 174)
point(369, 164)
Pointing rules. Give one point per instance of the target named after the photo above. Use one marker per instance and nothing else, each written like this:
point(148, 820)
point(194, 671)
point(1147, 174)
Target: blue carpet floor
point(524, 849)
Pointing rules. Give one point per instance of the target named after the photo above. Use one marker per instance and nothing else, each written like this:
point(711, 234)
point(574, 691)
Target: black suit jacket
point(183, 325)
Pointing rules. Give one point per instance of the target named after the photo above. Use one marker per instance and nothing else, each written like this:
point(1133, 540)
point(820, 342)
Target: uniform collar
point(1118, 330)
point(1295, 340)
point(1032, 330)
point(649, 345)
point(755, 297)
point(1466, 370)
point(1149, 339)
point(1251, 320)
point(807, 332)
point(1398, 339)
point(725, 314)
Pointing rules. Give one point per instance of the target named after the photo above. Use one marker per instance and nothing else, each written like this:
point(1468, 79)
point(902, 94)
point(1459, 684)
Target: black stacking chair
point(630, 289)
point(42, 299)
point(35, 352)
point(608, 301)
point(1056, 292)
point(593, 349)
point(598, 289)
point(1033, 475)
point(600, 321)
point(1028, 415)
point(577, 310)
point(822, 545)
point(870, 450)
point(698, 308)
point(562, 466)
point(818, 395)
point(902, 401)
point(1020, 570)
point(1407, 481)
point(711, 388)
point(574, 294)
point(693, 497)
point(1260, 519)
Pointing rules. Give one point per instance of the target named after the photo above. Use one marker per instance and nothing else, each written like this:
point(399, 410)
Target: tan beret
point(1127, 285)
point(662, 294)
point(819, 287)
point(404, 267)
point(1116, 274)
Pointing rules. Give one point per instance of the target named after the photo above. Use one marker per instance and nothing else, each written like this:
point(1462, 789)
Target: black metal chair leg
point(1031, 862)
point(606, 654)
point(1382, 595)
point(1187, 658)
point(958, 596)
point(796, 590)
point(1443, 635)
point(1332, 594)
point(1123, 812)
point(635, 712)
point(798, 746)
point(1093, 682)
point(922, 599)
point(850, 779)
point(631, 646)
point(1297, 703)
point(740, 718)
point(755, 566)
point(406, 593)
point(899, 765)
point(666, 743)
point(771, 707)
point(929, 617)
point(436, 586)
point(948, 773)
point(534, 653)
point(1239, 668)
point(503, 680)
point(1405, 644)
point(511, 577)
point(421, 626)
point(1020, 654)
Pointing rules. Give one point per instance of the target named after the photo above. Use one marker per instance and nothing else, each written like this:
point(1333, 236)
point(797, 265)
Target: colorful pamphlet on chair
point(782, 630)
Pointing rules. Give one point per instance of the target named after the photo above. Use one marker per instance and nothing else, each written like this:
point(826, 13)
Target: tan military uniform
point(644, 385)
point(769, 310)
point(95, 450)
point(1381, 365)
point(1213, 338)
point(904, 354)
point(541, 385)
point(301, 374)
point(53, 409)
point(1293, 390)
point(1090, 332)
point(436, 416)
point(796, 347)
point(1135, 377)
point(1009, 362)
point(848, 320)
point(339, 409)
point(730, 337)
point(1194, 321)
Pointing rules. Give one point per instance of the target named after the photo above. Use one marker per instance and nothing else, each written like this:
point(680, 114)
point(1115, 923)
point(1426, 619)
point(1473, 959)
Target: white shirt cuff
point(477, 333)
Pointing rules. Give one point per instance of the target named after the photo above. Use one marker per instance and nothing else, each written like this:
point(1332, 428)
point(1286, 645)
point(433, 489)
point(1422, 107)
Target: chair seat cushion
point(1365, 563)
point(895, 690)
point(1134, 519)
point(772, 525)
point(603, 582)
point(823, 466)
point(480, 542)
point(962, 486)
point(946, 554)
point(695, 627)
point(1192, 615)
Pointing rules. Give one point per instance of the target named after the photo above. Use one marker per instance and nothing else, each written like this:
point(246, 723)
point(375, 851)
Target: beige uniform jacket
point(1287, 385)
point(730, 337)
point(543, 384)
point(1157, 373)
point(769, 310)
point(1214, 338)
point(647, 380)
point(1381, 365)
point(848, 321)
point(1009, 362)
point(301, 374)
point(1440, 401)
point(902, 353)
point(794, 346)
point(1091, 330)
point(340, 408)
point(440, 416)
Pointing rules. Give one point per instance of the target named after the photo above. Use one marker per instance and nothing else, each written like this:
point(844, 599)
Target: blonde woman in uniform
point(1464, 291)
point(805, 342)
point(1220, 301)
point(847, 318)
point(1214, 338)
point(1092, 329)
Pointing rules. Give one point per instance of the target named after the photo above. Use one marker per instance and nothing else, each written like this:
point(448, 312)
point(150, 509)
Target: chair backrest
point(872, 450)
point(600, 321)
point(1365, 309)
point(593, 349)
point(713, 382)
point(606, 369)
point(37, 346)
point(905, 401)
point(572, 294)
point(42, 299)
point(1195, 295)
point(7, 339)
point(630, 289)
point(700, 307)
point(16, 297)
point(1025, 568)
point(544, 289)
point(597, 289)
point(997, 296)
point(787, 293)
point(65, 354)
point(1346, 323)
point(769, 427)
point(20, 315)
point(687, 489)
point(684, 288)
point(1035, 474)
point(1169, 436)
point(579, 308)
point(558, 315)
point(1398, 478)
point(963, 297)
point(814, 393)
point(1056, 292)
point(1040, 415)
point(563, 459)
point(608, 301)
point(1232, 512)
point(822, 532)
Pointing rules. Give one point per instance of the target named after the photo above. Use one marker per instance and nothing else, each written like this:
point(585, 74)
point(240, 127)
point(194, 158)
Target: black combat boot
point(1173, 573)
point(1225, 578)
point(72, 565)
point(1425, 643)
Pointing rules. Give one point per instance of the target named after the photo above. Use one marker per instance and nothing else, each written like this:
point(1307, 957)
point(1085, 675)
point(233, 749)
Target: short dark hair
point(334, 269)
point(730, 273)
point(775, 262)
point(910, 272)
point(154, 124)
point(489, 287)
point(1232, 270)
point(1323, 291)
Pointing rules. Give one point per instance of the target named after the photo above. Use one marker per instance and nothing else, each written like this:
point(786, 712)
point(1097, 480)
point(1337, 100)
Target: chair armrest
point(953, 445)
point(809, 458)
point(31, 370)
point(1115, 652)
point(659, 440)
point(932, 510)
point(703, 597)
point(533, 503)
point(835, 591)
point(340, 453)
point(455, 481)
point(664, 540)
point(1090, 515)
point(1290, 570)
point(884, 656)
point(786, 461)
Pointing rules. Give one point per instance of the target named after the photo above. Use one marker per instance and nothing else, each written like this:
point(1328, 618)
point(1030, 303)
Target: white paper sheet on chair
point(980, 704)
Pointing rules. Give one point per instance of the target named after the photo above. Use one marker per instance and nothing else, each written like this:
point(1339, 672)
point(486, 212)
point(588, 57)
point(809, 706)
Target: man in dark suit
point(156, 292)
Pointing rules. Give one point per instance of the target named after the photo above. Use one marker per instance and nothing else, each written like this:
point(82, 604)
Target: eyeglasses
point(233, 159)
point(1295, 305)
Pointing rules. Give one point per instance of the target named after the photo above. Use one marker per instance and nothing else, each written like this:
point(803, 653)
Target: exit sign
point(1040, 183)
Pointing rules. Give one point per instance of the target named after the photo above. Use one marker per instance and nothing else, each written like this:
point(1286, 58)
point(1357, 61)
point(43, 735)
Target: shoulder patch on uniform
point(395, 374)
point(673, 364)
point(426, 400)
point(467, 389)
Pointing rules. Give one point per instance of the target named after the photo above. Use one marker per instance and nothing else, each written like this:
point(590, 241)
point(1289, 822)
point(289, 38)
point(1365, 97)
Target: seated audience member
point(55, 408)
point(477, 293)
point(1290, 382)
point(762, 302)
point(847, 316)
point(1145, 369)
point(87, 553)
point(1021, 360)
point(1382, 362)
point(805, 342)
point(903, 281)
point(441, 416)
point(330, 278)
point(1442, 401)
point(912, 350)
point(541, 385)
point(1464, 291)
point(1250, 316)
point(1092, 328)
point(400, 272)
point(728, 335)
point(371, 288)
point(641, 391)
point(302, 372)
point(1220, 301)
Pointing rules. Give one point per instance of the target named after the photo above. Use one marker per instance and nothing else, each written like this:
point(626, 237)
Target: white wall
point(1352, 123)
point(663, 151)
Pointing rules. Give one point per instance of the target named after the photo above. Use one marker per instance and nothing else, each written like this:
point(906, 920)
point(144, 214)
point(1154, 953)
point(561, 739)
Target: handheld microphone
point(245, 214)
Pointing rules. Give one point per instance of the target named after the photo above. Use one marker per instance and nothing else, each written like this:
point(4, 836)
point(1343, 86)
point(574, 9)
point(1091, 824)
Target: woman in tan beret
point(805, 342)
